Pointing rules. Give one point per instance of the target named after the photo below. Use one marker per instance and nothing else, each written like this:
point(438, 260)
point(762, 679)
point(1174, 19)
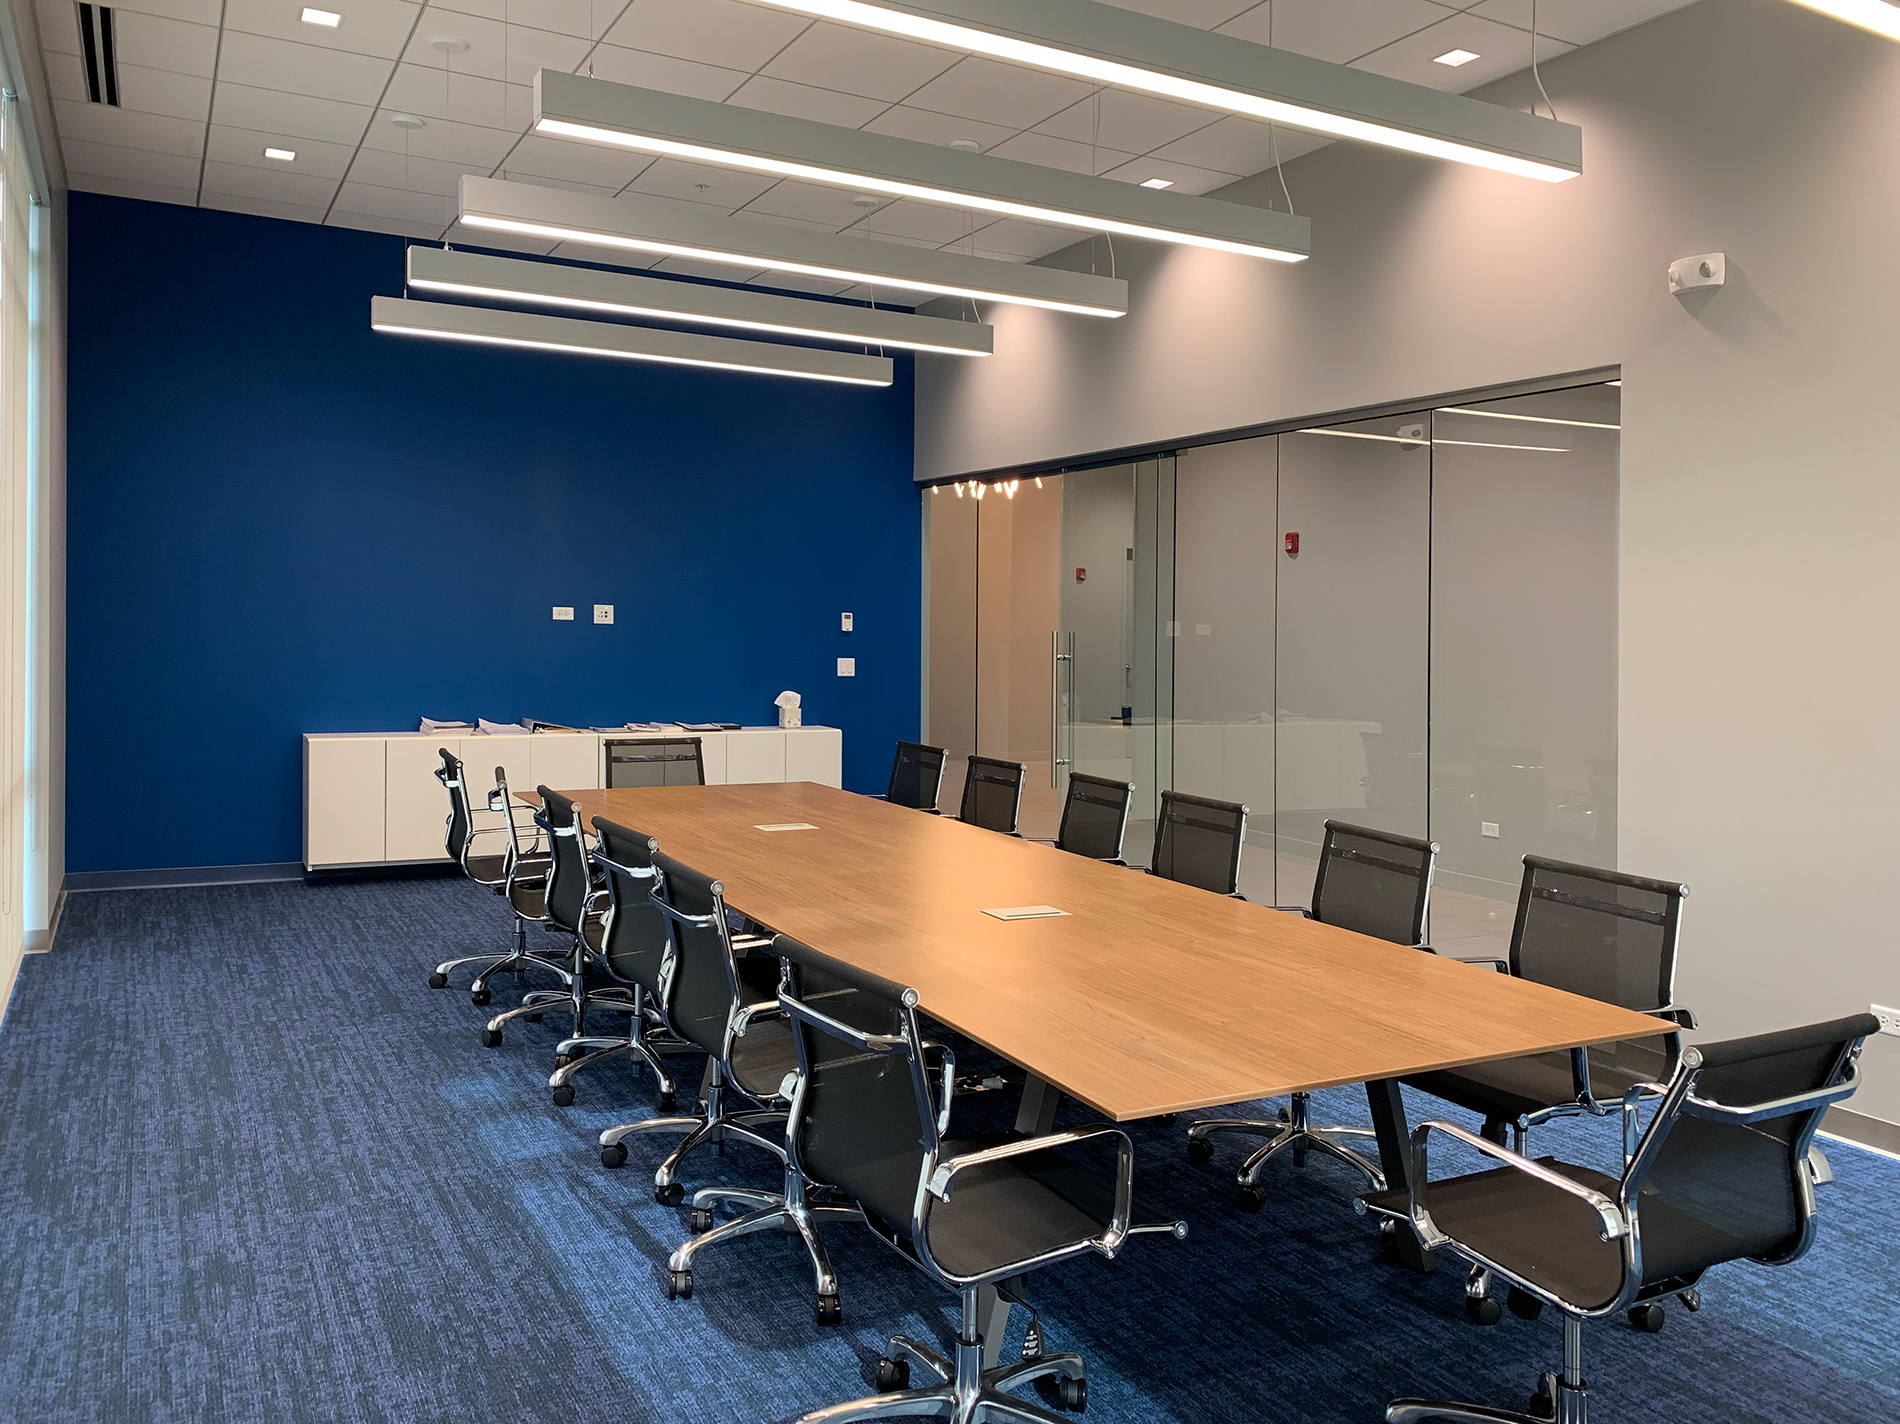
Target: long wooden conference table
point(1143, 997)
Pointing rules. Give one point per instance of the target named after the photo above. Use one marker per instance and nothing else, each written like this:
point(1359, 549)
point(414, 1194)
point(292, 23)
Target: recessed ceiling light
point(1455, 57)
point(329, 19)
point(282, 155)
point(1157, 183)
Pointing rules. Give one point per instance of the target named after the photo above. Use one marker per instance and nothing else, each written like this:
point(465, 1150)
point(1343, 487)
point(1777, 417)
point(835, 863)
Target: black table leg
point(1395, 1160)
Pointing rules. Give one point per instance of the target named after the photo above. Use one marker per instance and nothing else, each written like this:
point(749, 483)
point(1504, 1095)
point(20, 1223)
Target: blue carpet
point(252, 1168)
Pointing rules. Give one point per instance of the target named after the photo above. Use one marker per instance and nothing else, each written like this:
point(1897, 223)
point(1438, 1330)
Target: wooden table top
point(1147, 997)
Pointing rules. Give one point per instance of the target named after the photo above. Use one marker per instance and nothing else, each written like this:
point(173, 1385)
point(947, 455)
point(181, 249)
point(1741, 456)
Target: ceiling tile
point(266, 63)
point(1501, 50)
point(593, 164)
point(1060, 153)
point(400, 227)
point(114, 161)
point(408, 206)
point(463, 98)
point(159, 91)
point(491, 46)
point(100, 123)
point(1230, 145)
point(1133, 123)
point(282, 185)
point(1025, 240)
point(425, 175)
point(166, 44)
point(66, 76)
point(584, 18)
point(1329, 30)
point(724, 188)
point(194, 12)
point(923, 126)
point(863, 62)
point(443, 139)
point(999, 93)
point(59, 26)
point(134, 188)
point(663, 72)
point(300, 115)
point(721, 32)
point(373, 27)
point(802, 101)
point(265, 207)
point(1579, 22)
point(823, 207)
point(1202, 14)
point(1184, 177)
point(245, 148)
point(921, 222)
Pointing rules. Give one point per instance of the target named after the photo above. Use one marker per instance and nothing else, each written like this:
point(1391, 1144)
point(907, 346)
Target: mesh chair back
point(667, 761)
point(567, 870)
point(1709, 1188)
point(705, 984)
point(512, 810)
point(1198, 841)
point(916, 776)
point(1095, 816)
point(861, 1126)
point(1598, 933)
point(992, 794)
point(461, 819)
point(633, 939)
point(1374, 882)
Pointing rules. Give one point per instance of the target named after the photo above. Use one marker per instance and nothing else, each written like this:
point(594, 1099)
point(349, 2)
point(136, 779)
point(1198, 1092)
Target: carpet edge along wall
point(280, 521)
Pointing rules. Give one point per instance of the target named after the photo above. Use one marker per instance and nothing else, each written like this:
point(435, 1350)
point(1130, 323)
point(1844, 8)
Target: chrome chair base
point(1295, 1132)
point(1560, 1399)
point(768, 1211)
point(965, 1392)
point(761, 1127)
point(582, 1053)
point(516, 960)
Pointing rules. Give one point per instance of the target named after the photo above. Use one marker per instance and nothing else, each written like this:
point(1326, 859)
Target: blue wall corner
point(280, 521)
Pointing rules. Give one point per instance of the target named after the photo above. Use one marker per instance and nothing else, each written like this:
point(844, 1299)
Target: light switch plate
point(845, 620)
point(603, 613)
point(847, 667)
point(563, 615)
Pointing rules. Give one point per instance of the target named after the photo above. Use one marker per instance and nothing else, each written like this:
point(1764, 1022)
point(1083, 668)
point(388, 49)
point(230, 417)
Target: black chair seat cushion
point(529, 898)
point(763, 1056)
point(489, 869)
point(1506, 1089)
point(1019, 1208)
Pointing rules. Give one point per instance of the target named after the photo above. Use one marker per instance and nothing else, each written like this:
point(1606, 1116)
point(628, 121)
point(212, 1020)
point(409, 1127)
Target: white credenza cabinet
point(371, 798)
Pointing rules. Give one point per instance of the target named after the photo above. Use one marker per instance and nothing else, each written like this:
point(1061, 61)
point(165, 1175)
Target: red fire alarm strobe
point(1293, 545)
point(1081, 575)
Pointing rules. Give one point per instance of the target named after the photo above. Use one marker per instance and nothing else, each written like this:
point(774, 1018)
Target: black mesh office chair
point(1720, 1175)
point(655, 761)
point(916, 777)
point(1198, 842)
point(1594, 932)
point(993, 794)
point(1095, 817)
point(1374, 883)
point(633, 950)
point(870, 1113)
point(517, 873)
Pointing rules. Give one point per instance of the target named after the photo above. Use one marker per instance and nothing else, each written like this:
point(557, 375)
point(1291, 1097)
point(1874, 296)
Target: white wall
point(1760, 509)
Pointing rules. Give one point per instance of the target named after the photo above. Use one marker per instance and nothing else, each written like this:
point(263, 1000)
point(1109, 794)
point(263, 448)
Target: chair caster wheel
point(479, 997)
point(1074, 1394)
point(1543, 1404)
point(892, 1375)
point(564, 1095)
point(1200, 1150)
point(672, 1194)
point(1524, 1305)
point(532, 1018)
point(669, 1102)
point(1691, 1298)
point(699, 1220)
point(1647, 1318)
point(438, 980)
point(1482, 1310)
point(561, 1060)
point(679, 1285)
point(491, 1038)
point(1250, 1198)
point(614, 1154)
point(827, 1310)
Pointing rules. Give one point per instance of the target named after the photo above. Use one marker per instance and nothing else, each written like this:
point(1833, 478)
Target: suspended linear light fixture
point(531, 330)
point(656, 225)
point(1530, 419)
point(1124, 49)
point(701, 131)
point(470, 274)
point(1876, 15)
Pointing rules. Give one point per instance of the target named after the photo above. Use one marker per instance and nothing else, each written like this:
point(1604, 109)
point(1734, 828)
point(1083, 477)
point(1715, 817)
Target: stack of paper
point(430, 724)
point(484, 725)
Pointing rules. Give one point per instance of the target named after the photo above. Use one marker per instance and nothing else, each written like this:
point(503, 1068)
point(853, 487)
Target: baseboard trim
point(182, 877)
point(1862, 1130)
point(41, 941)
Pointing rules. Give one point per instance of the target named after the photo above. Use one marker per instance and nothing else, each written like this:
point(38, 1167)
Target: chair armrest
point(751, 1013)
point(943, 1180)
point(1680, 1017)
point(1612, 1225)
point(745, 944)
point(1503, 966)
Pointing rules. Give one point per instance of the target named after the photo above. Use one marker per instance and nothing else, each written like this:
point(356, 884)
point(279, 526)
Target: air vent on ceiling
point(101, 54)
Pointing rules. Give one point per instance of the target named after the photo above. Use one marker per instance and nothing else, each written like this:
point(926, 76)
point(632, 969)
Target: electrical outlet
point(1488, 829)
point(847, 667)
point(1889, 1018)
point(563, 615)
point(603, 613)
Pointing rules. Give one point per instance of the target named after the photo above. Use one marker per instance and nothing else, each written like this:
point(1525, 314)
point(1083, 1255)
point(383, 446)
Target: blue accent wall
point(281, 522)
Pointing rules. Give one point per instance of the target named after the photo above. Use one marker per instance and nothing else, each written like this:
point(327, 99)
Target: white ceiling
point(207, 85)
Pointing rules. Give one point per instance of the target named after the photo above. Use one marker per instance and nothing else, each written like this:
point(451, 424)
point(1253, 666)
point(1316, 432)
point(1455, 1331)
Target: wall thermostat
point(1708, 270)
